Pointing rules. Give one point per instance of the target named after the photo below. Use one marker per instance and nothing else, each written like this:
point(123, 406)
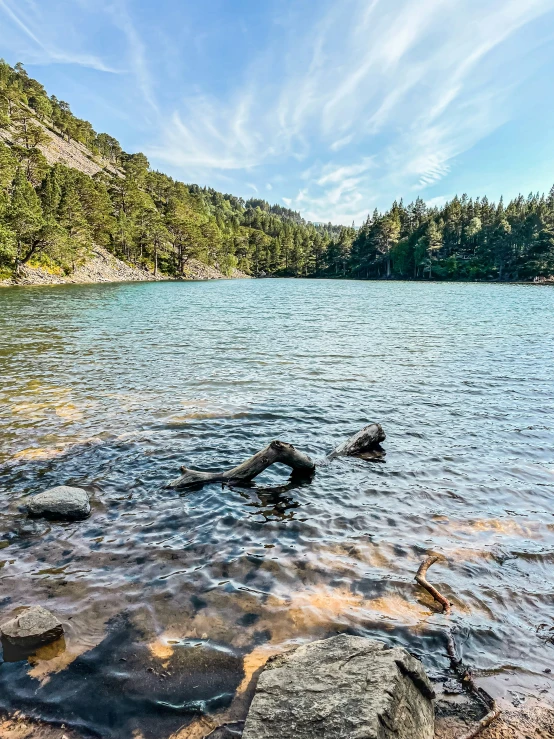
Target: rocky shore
point(104, 267)
point(343, 685)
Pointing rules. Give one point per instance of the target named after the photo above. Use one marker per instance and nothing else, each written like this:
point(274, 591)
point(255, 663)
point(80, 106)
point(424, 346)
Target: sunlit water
point(171, 602)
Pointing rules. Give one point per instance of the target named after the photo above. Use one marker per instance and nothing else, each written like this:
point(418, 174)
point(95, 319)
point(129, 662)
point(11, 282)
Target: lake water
point(172, 601)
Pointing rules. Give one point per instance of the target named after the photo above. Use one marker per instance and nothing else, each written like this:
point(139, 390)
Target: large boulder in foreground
point(62, 502)
point(31, 628)
point(345, 686)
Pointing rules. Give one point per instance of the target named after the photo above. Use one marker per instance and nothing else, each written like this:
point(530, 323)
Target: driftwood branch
point(363, 444)
point(422, 580)
point(463, 672)
point(487, 720)
point(223, 725)
point(467, 680)
point(277, 451)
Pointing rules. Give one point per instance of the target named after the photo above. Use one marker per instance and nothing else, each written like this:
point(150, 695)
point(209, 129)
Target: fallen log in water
point(364, 443)
point(277, 451)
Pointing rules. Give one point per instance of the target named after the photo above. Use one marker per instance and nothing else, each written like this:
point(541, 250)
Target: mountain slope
point(66, 190)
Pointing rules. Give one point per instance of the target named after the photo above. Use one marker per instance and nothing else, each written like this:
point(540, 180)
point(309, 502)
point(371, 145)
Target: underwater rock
point(126, 684)
point(60, 502)
point(31, 628)
point(339, 687)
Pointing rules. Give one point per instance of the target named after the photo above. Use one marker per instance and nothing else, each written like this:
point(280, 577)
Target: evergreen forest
point(53, 215)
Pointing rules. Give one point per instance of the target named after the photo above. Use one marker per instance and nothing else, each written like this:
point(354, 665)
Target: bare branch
point(422, 580)
point(466, 678)
point(363, 444)
point(221, 726)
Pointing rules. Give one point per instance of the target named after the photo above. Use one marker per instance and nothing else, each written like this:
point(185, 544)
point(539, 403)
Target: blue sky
point(331, 108)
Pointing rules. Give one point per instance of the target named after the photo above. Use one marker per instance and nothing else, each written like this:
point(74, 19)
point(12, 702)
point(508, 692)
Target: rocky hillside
point(66, 188)
point(104, 267)
point(73, 153)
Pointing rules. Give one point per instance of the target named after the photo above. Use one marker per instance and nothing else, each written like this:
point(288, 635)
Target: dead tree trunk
point(277, 451)
point(362, 444)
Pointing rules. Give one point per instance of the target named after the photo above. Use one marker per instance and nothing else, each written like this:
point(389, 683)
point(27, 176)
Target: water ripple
point(113, 387)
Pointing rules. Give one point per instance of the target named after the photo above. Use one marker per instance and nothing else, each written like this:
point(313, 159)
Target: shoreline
point(58, 280)
point(104, 267)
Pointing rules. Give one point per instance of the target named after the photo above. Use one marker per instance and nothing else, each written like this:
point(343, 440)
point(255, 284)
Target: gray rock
point(61, 502)
point(347, 687)
point(32, 627)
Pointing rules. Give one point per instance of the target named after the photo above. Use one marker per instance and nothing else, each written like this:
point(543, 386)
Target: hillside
point(102, 266)
point(57, 150)
point(66, 190)
point(99, 265)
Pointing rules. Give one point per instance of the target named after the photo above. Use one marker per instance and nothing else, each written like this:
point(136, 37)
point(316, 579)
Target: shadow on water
point(120, 687)
point(124, 688)
point(273, 502)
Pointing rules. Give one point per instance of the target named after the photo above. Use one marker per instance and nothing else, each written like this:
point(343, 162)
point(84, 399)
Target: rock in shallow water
point(31, 628)
point(346, 686)
point(62, 502)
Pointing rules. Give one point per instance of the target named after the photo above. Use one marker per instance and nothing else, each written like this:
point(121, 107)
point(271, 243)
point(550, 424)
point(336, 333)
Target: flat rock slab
point(31, 628)
point(345, 686)
point(62, 502)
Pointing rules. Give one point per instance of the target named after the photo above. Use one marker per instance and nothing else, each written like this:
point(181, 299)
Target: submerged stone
point(62, 502)
point(31, 628)
point(128, 684)
point(345, 686)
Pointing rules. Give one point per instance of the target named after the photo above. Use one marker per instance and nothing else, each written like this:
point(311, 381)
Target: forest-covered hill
point(64, 187)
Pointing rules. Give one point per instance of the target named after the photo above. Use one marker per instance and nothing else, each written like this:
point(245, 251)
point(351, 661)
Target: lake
point(173, 600)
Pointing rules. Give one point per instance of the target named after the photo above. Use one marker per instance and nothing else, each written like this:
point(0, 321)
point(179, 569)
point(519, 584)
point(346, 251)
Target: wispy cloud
point(438, 200)
point(136, 50)
point(341, 143)
point(332, 173)
point(50, 53)
point(331, 107)
point(387, 97)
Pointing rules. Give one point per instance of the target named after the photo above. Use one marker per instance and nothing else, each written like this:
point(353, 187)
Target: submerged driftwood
point(421, 578)
point(363, 444)
point(276, 451)
point(462, 672)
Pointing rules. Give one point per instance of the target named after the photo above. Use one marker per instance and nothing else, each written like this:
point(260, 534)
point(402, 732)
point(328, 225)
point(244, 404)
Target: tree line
point(470, 239)
point(53, 215)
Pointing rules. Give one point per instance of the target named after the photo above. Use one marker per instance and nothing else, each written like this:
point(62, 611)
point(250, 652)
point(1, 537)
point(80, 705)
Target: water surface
point(171, 602)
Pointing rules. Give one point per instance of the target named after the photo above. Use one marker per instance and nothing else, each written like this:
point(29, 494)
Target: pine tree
point(8, 167)
point(433, 240)
point(25, 218)
point(8, 246)
point(51, 192)
point(77, 240)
